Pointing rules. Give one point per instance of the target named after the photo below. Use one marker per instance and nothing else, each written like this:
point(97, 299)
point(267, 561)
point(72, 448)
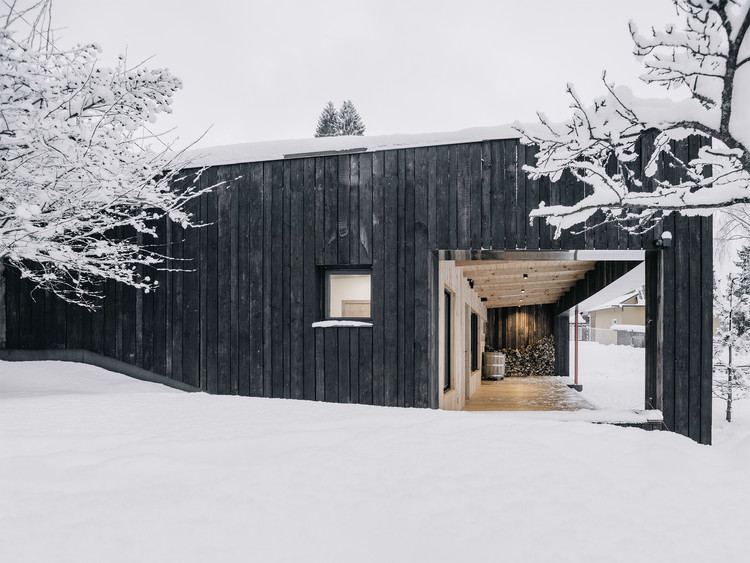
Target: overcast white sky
point(263, 70)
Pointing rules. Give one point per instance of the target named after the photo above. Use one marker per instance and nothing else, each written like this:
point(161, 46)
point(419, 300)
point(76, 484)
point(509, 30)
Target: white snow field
point(613, 377)
point(97, 467)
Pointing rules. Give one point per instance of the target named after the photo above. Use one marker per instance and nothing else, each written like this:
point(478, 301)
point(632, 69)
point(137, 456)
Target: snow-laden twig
point(701, 56)
point(731, 380)
point(79, 185)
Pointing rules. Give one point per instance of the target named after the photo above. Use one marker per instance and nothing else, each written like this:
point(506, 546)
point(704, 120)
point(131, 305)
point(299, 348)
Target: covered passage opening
point(517, 357)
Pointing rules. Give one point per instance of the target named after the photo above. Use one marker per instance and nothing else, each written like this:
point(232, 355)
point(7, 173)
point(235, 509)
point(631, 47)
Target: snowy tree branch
point(77, 178)
point(700, 57)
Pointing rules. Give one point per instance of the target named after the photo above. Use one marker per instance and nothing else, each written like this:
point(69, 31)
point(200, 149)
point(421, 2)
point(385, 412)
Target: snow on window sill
point(333, 324)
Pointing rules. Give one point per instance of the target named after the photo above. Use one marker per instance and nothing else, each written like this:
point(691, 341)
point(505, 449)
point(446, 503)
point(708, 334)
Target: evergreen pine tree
point(329, 123)
point(350, 121)
point(741, 317)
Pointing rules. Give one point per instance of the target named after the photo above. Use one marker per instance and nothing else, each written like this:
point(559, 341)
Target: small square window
point(348, 294)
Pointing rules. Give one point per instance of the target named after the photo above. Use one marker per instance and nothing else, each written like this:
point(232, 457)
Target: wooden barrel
point(494, 365)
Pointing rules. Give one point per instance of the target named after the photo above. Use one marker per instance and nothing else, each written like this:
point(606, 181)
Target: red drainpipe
point(576, 353)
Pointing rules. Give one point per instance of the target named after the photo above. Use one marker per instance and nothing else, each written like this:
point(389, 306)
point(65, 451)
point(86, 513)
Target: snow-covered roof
point(620, 301)
point(297, 148)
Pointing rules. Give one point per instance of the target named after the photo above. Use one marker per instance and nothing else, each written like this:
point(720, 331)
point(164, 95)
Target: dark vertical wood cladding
point(309, 280)
point(390, 281)
point(683, 275)
point(421, 288)
point(238, 317)
point(13, 299)
point(517, 327)
point(652, 398)
point(706, 283)
point(562, 345)
point(378, 279)
point(296, 332)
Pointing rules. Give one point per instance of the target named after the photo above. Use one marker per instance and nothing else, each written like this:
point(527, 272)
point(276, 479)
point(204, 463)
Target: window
point(348, 294)
point(474, 342)
point(448, 340)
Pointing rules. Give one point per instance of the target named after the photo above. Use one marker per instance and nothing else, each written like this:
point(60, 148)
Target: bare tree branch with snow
point(732, 304)
point(76, 166)
point(705, 56)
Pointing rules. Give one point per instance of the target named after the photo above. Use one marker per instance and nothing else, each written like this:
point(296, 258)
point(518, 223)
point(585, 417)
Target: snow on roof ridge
point(618, 301)
point(298, 148)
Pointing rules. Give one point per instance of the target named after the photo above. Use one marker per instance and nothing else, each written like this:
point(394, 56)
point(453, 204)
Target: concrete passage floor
point(526, 394)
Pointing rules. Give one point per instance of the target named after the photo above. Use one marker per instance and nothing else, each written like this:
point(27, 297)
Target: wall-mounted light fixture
point(523, 290)
point(665, 241)
point(483, 299)
point(526, 276)
point(471, 283)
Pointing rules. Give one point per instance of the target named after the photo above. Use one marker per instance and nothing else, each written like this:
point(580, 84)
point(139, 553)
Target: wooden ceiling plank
point(526, 267)
point(502, 294)
point(525, 284)
point(486, 278)
point(516, 303)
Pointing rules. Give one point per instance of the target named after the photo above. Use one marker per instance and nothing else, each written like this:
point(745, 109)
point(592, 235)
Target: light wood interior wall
point(452, 279)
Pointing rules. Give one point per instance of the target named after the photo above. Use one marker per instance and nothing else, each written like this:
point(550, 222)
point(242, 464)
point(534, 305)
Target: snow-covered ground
point(95, 466)
point(613, 377)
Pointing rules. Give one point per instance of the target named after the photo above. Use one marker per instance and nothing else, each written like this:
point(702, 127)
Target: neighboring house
point(373, 270)
point(628, 309)
point(627, 312)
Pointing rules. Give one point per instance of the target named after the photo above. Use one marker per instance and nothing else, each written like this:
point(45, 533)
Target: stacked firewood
point(535, 359)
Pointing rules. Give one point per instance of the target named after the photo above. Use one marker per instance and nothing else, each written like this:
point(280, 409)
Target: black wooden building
point(238, 317)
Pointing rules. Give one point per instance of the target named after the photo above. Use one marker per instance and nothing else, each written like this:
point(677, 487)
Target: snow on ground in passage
point(113, 469)
point(613, 377)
